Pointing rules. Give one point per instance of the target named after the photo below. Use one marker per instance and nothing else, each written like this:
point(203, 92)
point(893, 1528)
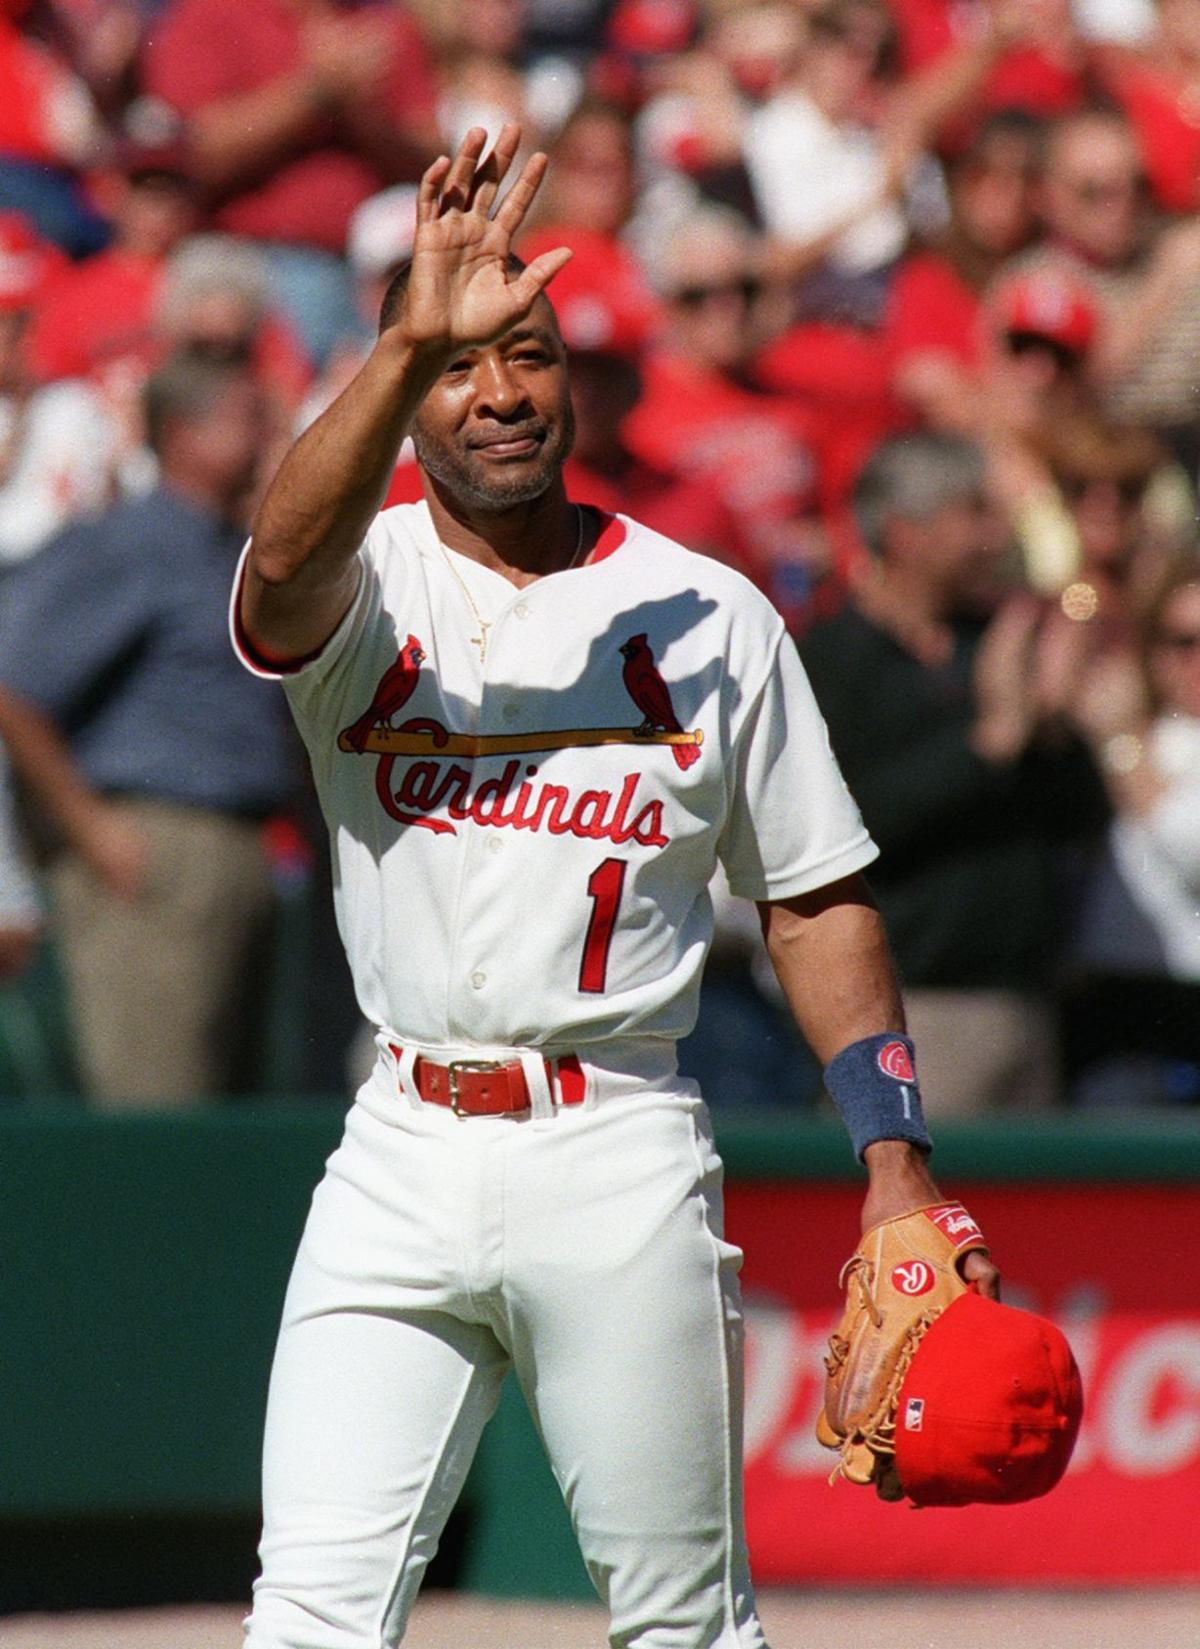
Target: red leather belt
point(491, 1087)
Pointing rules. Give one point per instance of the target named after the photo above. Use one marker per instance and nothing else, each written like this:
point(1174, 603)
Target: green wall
point(142, 1265)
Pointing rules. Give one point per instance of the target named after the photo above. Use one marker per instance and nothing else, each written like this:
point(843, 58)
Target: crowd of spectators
point(894, 305)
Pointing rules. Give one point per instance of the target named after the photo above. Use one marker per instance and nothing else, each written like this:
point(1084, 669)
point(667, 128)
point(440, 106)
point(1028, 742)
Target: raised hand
point(461, 293)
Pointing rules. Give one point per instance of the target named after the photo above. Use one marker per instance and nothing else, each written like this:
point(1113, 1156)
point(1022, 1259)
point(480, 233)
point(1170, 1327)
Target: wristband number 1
point(604, 889)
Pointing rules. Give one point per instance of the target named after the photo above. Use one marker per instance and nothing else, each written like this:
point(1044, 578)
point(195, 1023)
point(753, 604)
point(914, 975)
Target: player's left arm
point(831, 956)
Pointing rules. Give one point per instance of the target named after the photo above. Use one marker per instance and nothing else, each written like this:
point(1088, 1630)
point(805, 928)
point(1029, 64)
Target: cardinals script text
point(431, 796)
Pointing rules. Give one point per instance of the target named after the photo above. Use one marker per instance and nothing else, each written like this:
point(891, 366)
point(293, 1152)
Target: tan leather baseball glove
point(903, 1274)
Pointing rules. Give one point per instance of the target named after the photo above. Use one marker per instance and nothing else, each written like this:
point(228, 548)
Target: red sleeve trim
point(258, 659)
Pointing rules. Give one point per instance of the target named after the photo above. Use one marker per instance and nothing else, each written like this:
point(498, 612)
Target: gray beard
point(453, 471)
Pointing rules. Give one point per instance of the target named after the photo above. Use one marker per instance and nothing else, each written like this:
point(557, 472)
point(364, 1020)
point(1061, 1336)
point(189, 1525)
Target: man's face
point(154, 213)
point(1108, 519)
point(1091, 193)
point(593, 176)
point(993, 195)
point(711, 302)
point(958, 550)
point(225, 442)
point(497, 426)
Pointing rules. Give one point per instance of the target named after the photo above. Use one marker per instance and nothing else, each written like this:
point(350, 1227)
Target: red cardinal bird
point(394, 690)
point(652, 696)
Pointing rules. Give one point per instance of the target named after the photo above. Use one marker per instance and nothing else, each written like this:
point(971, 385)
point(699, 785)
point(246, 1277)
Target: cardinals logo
point(393, 693)
point(431, 795)
point(652, 696)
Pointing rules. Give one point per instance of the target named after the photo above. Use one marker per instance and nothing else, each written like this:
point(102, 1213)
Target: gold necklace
point(485, 624)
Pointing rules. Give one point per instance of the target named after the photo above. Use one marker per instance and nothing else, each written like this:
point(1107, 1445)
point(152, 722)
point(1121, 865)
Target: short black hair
point(389, 309)
point(1011, 124)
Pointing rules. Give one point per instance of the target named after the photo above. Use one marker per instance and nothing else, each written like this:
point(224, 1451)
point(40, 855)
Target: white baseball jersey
point(523, 832)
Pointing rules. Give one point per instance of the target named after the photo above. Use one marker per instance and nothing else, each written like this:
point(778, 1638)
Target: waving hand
point(461, 293)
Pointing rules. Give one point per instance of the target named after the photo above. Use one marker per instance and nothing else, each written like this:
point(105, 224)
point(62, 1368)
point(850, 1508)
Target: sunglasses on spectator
point(1105, 191)
point(693, 297)
point(1179, 641)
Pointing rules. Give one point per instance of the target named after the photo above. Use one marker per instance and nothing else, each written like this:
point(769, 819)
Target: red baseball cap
point(653, 28)
point(1049, 303)
point(989, 1409)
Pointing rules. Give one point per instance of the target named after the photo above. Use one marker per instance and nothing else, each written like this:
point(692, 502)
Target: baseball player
point(534, 731)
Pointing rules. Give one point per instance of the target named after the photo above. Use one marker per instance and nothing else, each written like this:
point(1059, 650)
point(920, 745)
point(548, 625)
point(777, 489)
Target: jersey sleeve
point(312, 666)
point(793, 825)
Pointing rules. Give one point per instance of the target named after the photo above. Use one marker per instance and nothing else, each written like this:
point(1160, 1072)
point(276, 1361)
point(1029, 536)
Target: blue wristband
point(873, 1083)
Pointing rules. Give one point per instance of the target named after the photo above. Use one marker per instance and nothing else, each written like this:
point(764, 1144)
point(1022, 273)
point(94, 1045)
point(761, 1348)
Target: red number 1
point(604, 890)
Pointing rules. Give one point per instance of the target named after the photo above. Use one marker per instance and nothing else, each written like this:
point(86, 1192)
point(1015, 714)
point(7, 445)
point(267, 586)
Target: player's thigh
point(372, 1422)
point(630, 1351)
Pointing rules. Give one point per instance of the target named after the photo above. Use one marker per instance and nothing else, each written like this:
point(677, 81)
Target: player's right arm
point(302, 569)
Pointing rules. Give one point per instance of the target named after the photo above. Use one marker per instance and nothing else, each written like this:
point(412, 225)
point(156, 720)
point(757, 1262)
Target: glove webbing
point(878, 1433)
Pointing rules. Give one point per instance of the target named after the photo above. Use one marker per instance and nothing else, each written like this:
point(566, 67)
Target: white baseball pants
point(583, 1248)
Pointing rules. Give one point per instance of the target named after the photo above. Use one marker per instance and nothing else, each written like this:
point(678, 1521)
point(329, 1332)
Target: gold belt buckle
point(457, 1065)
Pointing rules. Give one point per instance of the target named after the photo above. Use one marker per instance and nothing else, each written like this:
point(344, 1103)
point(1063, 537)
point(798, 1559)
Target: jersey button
point(521, 610)
point(494, 844)
point(511, 710)
point(478, 980)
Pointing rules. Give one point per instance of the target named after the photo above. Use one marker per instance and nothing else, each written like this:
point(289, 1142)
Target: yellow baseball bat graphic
point(382, 741)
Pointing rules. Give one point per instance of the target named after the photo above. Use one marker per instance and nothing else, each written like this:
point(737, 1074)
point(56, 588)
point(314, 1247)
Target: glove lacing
point(839, 1346)
point(878, 1431)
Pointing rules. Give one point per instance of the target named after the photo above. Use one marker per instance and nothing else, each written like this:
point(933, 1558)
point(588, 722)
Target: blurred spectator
point(573, 29)
point(692, 131)
point(1033, 396)
point(1042, 66)
point(1133, 1019)
point(481, 87)
point(297, 111)
point(942, 713)
point(101, 39)
point(934, 328)
point(216, 301)
point(822, 176)
point(1104, 476)
point(57, 444)
point(591, 181)
point(96, 320)
point(840, 221)
point(49, 132)
point(702, 415)
point(1147, 286)
point(380, 239)
point(488, 75)
point(119, 314)
point(134, 730)
point(868, 178)
point(1156, 79)
point(589, 199)
point(605, 338)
